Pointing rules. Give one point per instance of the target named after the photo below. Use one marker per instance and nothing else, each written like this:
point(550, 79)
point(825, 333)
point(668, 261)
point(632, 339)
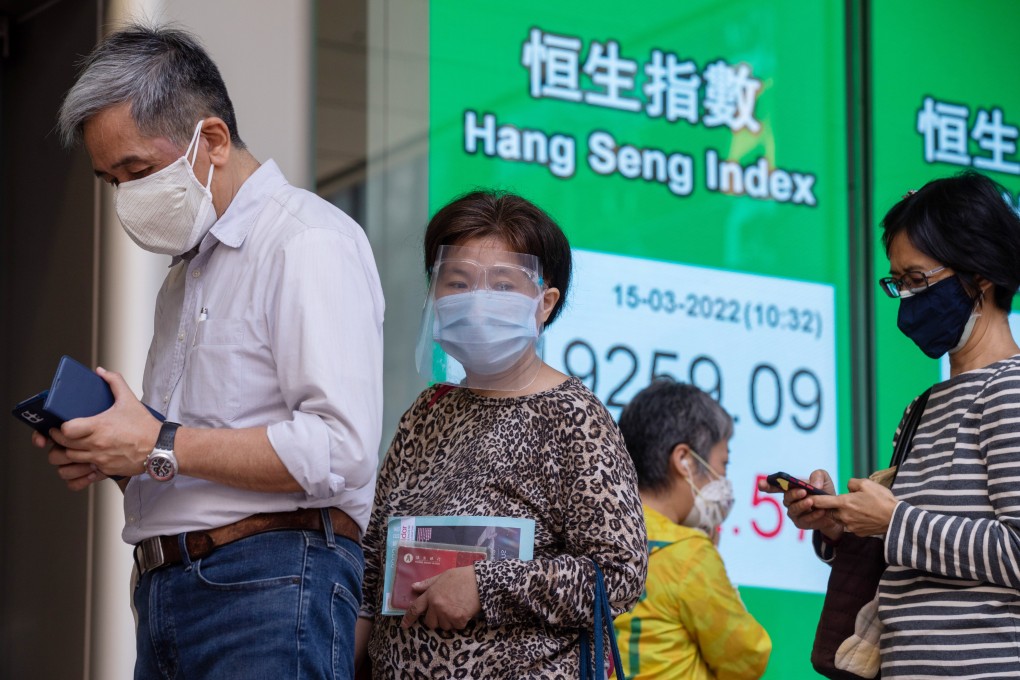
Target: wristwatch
point(161, 464)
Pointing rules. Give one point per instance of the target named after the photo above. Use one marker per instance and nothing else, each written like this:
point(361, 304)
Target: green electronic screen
point(695, 154)
point(935, 112)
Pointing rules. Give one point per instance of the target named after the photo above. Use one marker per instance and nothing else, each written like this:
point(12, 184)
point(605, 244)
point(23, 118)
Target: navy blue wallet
point(76, 392)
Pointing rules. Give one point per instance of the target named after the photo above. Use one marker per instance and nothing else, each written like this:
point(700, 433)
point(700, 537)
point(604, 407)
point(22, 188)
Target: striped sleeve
point(953, 544)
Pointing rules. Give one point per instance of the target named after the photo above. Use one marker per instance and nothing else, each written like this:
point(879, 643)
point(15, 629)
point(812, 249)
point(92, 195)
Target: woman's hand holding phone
point(865, 511)
point(800, 505)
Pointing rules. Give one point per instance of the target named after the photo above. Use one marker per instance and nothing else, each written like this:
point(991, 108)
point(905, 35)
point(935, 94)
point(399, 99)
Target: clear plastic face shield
point(480, 326)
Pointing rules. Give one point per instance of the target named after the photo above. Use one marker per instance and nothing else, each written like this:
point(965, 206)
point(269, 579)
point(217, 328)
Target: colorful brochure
point(418, 548)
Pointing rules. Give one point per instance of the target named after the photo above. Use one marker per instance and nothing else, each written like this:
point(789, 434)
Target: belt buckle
point(150, 554)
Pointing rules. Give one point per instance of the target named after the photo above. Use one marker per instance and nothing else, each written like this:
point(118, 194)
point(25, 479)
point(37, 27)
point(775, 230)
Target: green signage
point(940, 105)
point(695, 154)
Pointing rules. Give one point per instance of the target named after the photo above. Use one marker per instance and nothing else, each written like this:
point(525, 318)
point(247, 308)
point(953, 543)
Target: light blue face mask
point(480, 326)
point(486, 331)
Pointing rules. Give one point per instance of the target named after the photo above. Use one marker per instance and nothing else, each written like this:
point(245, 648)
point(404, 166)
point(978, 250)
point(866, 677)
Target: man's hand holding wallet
point(96, 425)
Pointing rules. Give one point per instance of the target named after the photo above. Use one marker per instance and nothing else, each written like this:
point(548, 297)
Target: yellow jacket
point(689, 622)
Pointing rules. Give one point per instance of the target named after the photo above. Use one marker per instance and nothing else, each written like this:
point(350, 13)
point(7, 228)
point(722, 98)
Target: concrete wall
point(74, 284)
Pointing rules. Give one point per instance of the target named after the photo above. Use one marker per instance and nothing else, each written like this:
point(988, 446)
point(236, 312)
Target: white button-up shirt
point(276, 322)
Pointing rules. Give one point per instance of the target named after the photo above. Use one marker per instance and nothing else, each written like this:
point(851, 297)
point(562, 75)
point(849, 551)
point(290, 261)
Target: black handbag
point(603, 625)
point(856, 571)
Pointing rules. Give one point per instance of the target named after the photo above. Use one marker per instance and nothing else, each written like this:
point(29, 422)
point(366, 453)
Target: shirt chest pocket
point(220, 332)
point(214, 383)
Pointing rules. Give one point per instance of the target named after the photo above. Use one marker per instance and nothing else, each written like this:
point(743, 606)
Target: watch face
point(161, 467)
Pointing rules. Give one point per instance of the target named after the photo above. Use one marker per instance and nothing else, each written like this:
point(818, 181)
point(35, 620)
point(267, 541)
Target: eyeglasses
point(911, 283)
point(462, 276)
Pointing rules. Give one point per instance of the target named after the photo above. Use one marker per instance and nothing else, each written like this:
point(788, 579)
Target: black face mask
point(935, 319)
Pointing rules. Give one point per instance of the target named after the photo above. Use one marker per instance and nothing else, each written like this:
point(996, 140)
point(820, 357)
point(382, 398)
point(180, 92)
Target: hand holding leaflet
point(417, 562)
point(447, 601)
point(421, 548)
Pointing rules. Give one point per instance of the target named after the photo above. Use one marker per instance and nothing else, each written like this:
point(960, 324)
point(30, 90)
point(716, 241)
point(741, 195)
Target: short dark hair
point(664, 414)
point(522, 225)
point(165, 74)
point(964, 223)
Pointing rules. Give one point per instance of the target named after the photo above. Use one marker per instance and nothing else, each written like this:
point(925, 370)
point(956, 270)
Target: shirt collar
point(234, 224)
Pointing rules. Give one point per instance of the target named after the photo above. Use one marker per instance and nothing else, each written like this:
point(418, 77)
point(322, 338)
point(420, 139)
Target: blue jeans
point(273, 606)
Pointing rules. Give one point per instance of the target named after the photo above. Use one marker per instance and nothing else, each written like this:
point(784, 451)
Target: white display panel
point(763, 346)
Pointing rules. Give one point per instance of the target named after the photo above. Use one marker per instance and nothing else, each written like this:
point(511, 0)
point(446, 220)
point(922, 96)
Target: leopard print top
point(556, 457)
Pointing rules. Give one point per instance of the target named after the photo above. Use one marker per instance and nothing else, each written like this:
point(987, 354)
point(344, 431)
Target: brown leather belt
point(161, 551)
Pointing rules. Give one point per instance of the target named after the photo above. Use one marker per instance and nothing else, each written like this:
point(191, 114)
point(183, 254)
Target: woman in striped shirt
point(949, 600)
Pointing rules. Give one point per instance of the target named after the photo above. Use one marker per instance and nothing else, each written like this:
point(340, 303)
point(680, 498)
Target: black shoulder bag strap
point(906, 436)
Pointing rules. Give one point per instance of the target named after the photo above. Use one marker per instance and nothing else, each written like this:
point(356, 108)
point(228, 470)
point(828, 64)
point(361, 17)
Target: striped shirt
point(950, 598)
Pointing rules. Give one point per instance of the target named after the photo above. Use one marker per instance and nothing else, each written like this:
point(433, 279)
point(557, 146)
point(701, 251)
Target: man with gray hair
point(247, 504)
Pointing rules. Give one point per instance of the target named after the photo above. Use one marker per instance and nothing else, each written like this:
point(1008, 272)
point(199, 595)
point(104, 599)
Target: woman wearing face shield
point(503, 434)
point(951, 522)
point(690, 622)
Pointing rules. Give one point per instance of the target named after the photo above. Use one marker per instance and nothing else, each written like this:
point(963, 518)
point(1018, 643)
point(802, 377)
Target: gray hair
point(165, 74)
point(664, 414)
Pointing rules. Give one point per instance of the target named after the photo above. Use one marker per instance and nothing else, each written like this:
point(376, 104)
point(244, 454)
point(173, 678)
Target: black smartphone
point(787, 482)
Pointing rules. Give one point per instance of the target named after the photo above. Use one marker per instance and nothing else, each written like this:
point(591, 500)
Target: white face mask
point(169, 212)
point(486, 331)
point(712, 502)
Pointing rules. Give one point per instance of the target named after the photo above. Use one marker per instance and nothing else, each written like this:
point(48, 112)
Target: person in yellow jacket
point(690, 622)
